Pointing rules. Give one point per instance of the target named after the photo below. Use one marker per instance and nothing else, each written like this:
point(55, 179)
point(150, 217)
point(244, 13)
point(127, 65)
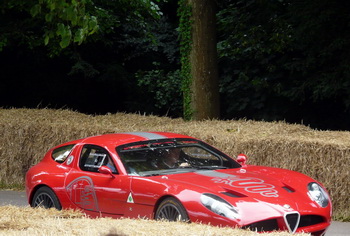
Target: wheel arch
point(156, 205)
point(30, 199)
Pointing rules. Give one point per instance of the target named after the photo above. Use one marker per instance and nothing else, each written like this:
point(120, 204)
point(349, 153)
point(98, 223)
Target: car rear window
point(60, 154)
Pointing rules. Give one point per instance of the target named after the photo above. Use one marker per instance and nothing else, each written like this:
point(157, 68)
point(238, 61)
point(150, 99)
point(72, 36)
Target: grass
point(29, 221)
point(26, 135)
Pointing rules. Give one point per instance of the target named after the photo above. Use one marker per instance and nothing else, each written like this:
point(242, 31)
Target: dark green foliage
point(165, 90)
point(185, 30)
point(279, 59)
point(156, 61)
point(249, 52)
point(60, 23)
point(133, 46)
point(283, 59)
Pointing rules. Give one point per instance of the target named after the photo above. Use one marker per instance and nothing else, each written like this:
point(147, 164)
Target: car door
point(94, 191)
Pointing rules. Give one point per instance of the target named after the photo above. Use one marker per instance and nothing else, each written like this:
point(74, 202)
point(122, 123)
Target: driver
point(110, 164)
point(174, 158)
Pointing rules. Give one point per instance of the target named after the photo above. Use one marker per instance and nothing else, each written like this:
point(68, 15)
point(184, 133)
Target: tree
point(199, 59)
point(285, 60)
point(106, 60)
point(65, 22)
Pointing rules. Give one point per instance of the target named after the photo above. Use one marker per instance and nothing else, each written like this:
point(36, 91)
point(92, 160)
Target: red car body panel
point(259, 193)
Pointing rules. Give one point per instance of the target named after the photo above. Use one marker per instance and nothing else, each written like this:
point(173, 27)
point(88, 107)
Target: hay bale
point(27, 134)
point(29, 221)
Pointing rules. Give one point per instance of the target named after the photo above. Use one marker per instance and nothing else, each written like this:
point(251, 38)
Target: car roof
point(117, 139)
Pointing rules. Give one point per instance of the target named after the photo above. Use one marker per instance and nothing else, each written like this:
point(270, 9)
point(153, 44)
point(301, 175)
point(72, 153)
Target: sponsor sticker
point(130, 198)
point(249, 184)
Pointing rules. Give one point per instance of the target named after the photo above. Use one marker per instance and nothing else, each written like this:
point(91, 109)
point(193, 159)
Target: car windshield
point(172, 156)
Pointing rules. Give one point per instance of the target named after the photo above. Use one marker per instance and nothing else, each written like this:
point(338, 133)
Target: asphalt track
point(18, 198)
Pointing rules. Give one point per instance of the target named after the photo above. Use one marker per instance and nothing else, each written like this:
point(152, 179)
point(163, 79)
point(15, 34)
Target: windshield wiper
point(210, 167)
point(151, 175)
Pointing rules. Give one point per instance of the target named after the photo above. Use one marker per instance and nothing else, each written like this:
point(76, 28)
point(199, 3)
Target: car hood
point(239, 182)
point(254, 191)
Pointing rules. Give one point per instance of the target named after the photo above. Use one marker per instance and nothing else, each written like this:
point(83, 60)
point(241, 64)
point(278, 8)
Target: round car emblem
point(70, 159)
point(286, 206)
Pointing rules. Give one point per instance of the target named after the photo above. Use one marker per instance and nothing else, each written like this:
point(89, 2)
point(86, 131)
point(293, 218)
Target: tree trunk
point(205, 100)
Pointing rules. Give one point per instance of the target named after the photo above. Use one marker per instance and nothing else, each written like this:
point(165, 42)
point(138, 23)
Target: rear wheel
point(45, 197)
point(171, 209)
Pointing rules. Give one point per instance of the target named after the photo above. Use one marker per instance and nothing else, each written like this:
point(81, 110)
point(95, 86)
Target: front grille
point(307, 220)
point(292, 221)
point(266, 225)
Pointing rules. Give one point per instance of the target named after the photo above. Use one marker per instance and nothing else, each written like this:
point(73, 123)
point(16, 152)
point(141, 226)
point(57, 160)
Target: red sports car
point(178, 178)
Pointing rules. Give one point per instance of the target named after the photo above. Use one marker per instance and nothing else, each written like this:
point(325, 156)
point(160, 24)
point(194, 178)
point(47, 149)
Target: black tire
point(171, 209)
point(45, 197)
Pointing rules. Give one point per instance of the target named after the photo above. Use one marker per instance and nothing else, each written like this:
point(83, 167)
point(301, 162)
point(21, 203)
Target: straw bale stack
point(27, 221)
point(26, 135)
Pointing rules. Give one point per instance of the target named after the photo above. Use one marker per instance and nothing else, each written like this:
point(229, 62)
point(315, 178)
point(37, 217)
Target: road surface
point(18, 198)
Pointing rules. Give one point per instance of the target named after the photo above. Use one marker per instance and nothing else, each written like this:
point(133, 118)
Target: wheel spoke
point(170, 213)
point(44, 200)
point(171, 209)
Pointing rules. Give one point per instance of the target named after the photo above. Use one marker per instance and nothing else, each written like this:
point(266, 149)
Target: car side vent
point(292, 220)
point(231, 193)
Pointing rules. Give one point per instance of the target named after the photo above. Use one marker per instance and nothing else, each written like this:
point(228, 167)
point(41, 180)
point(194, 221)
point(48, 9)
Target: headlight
point(318, 194)
point(219, 206)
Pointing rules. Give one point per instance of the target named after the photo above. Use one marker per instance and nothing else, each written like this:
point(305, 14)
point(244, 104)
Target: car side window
point(60, 154)
point(93, 157)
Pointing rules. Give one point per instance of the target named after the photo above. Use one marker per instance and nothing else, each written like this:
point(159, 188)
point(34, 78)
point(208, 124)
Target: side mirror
point(242, 159)
point(105, 170)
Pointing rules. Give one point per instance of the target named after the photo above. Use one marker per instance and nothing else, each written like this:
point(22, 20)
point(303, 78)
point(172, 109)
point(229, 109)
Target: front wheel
point(171, 209)
point(45, 197)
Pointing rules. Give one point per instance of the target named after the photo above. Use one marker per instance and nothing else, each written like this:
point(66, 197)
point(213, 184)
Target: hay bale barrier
point(27, 134)
point(28, 221)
